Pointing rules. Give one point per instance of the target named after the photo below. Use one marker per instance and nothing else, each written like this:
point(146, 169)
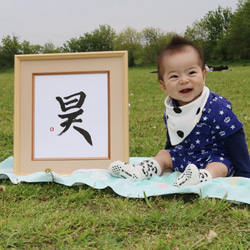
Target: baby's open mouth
point(184, 91)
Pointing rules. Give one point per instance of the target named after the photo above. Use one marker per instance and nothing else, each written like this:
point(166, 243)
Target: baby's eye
point(192, 72)
point(174, 76)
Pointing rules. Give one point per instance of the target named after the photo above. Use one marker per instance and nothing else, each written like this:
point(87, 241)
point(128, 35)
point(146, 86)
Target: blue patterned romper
point(205, 143)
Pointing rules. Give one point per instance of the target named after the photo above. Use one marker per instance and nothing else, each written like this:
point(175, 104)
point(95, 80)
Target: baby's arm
point(237, 148)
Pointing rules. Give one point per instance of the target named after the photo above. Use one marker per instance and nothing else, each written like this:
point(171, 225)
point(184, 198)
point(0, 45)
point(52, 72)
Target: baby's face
point(183, 78)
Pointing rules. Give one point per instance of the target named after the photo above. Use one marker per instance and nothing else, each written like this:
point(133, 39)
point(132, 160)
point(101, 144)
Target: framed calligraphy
point(70, 112)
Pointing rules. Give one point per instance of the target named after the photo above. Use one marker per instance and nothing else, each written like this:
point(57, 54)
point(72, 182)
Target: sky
point(57, 21)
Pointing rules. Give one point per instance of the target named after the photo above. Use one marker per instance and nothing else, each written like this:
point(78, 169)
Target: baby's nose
point(184, 80)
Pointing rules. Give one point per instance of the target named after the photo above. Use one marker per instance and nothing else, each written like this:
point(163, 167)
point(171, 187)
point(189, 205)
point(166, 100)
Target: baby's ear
point(163, 86)
point(204, 74)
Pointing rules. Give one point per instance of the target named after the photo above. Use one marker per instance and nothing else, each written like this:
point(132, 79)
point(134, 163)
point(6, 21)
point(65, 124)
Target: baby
point(205, 139)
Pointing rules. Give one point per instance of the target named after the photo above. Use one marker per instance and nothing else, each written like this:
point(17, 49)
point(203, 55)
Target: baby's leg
point(142, 170)
point(217, 169)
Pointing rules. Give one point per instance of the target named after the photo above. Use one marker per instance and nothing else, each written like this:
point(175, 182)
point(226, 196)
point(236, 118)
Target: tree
point(73, 45)
point(150, 38)
point(101, 39)
point(49, 47)
point(239, 32)
point(8, 50)
point(27, 48)
point(130, 40)
point(154, 42)
point(217, 22)
point(210, 32)
point(198, 33)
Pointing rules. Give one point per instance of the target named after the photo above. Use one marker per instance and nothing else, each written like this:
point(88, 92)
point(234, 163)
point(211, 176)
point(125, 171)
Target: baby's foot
point(189, 177)
point(204, 175)
point(124, 170)
point(140, 171)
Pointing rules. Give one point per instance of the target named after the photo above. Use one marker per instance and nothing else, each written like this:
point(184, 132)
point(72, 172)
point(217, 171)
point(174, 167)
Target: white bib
point(182, 120)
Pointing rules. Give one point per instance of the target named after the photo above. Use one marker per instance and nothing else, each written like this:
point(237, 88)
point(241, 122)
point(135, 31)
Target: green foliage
point(10, 48)
point(154, 43)
point(27, 48)
point(49, 47)
point(209, 33)
point(143, 47)
point(223, 35)
point(73, 45)
point(53, 216)
point(239, 32)
point(130, 40)
point(216, 23)
point(101, 39)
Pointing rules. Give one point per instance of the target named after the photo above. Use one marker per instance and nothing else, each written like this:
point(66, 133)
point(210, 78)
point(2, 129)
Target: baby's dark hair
point(177, 44)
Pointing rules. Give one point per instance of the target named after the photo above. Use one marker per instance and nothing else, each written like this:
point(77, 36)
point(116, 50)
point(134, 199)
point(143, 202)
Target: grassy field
point(52, 216)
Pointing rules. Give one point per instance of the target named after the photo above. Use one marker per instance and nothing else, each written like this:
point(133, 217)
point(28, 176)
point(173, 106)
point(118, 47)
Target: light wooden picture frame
point(70, 111)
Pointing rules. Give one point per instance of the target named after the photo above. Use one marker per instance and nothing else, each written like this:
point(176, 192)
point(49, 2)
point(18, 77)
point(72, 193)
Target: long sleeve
point(237, 148)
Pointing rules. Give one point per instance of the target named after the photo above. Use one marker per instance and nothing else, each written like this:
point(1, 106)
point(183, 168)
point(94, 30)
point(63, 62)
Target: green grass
point(6, 113)
point(52, 216)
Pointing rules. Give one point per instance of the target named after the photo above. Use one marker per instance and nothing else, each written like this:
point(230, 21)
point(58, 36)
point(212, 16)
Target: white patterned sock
point(205, 175)
point(189, 177)
point(140, 171)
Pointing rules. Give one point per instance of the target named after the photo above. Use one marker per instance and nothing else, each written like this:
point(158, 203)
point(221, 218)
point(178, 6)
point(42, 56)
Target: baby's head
point(176, 45)
point(181, 70)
